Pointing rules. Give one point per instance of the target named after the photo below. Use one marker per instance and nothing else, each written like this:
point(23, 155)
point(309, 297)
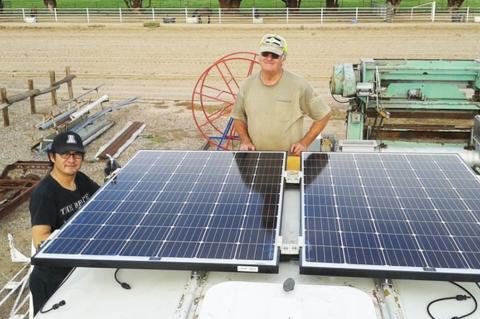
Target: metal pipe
point(95, 131)
point(90, 106)
point(117, 106)
point(58, 118)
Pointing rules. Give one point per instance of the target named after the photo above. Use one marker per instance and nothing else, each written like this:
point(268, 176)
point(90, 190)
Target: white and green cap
point(273, 43)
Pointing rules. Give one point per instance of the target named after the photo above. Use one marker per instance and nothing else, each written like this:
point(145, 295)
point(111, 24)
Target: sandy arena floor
point(161, 66)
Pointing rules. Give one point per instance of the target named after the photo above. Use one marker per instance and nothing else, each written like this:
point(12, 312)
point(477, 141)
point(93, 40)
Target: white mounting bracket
point(292, 177)
point(15, 254)
point(290, 248)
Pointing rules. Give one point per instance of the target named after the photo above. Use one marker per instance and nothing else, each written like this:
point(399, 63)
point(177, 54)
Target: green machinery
point(410, 102)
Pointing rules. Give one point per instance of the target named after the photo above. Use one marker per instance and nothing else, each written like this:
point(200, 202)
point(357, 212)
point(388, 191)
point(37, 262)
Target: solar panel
point(390, 215)
point(180, 210)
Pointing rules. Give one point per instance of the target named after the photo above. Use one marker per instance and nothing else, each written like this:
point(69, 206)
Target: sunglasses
point(75, 155)
point(273, 55)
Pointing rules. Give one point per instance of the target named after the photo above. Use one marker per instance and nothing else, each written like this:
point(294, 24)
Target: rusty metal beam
point(115, 146)
point(17, 182)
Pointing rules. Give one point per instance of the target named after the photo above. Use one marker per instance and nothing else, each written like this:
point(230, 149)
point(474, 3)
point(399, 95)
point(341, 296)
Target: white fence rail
point(243, 16)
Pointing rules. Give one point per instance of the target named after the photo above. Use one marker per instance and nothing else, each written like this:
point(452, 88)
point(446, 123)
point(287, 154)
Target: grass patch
point(151, 24)
point(96, 26)
point(155, 138)
point(160, 105)
point(173, 135)
point(178, 134)
point(187, 104)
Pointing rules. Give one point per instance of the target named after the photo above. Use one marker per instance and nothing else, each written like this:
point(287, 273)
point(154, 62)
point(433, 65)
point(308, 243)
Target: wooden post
point(32, 98)
point(69, 83)
point(6, 120)
point(54, 92)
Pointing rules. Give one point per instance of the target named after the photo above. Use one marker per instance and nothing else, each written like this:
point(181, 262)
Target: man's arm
point(242, 130)
point(316, 128)
point(40, 233)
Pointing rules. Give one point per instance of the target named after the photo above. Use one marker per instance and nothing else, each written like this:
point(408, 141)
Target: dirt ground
point(161, 66)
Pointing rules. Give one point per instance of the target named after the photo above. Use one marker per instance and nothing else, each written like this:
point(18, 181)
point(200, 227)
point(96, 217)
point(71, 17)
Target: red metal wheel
point(214, 95)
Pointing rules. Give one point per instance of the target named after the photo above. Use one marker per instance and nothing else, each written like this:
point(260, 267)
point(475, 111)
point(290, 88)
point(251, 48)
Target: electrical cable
point(55, 306)
point(338, 101)
point(471, 296)
point(458, 298)
point(124, 285)
point(61, 302)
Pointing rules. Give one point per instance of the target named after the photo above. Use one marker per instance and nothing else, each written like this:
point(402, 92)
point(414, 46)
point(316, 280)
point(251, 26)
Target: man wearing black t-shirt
point(55, 199)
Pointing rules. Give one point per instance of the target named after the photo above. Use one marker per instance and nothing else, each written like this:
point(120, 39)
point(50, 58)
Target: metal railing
point(243, 16)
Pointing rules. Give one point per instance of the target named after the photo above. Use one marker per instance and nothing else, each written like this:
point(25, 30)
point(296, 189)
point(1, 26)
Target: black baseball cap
point(67, 142)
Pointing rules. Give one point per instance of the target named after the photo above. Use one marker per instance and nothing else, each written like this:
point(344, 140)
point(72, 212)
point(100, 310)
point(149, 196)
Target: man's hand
point(315, 129)
point(298, 148)
point(242, 130)
point(247, 147)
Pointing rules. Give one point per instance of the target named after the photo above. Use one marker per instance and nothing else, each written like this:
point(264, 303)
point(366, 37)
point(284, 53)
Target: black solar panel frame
point(254, 266)
point(383, 271)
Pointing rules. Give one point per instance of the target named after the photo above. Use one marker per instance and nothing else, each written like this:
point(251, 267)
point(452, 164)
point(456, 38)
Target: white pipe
point(88, 107)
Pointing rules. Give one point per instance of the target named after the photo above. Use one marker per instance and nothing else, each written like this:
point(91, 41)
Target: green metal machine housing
point(398, 101)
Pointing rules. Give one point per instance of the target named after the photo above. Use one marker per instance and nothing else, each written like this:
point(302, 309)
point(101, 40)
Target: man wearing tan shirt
point(270, 106)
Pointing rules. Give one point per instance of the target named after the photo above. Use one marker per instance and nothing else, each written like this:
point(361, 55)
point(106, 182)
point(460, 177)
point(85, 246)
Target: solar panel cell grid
point(379, 213)
point(194, 208)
